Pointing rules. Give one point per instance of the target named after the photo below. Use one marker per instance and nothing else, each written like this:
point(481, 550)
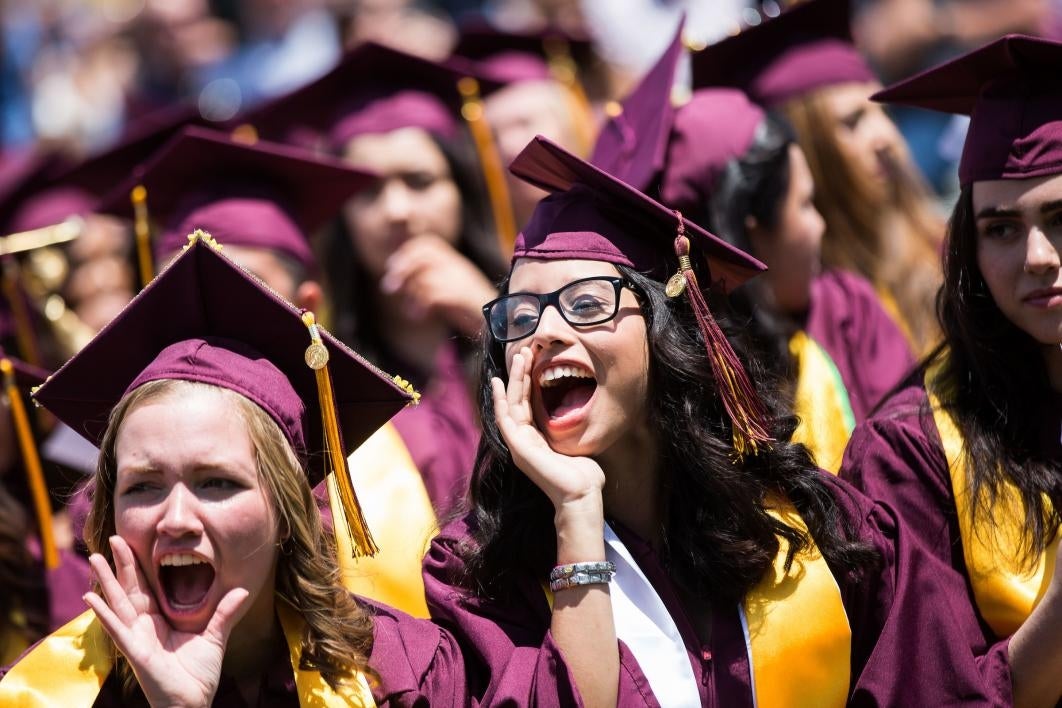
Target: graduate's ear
point(309, 296)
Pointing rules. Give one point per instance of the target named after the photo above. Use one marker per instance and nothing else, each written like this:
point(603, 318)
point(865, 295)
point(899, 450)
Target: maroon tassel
point(747, 414)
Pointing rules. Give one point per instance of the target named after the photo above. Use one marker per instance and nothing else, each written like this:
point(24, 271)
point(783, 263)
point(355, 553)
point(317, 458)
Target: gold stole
point(800, 642)
point(69, 666)
point(397, 509)
point(1004, 590)
point(892, 309)
point(821, 402)
point(13, 640)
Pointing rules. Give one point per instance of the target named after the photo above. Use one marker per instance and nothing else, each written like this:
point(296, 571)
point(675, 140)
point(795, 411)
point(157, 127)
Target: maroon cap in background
point(530, 55)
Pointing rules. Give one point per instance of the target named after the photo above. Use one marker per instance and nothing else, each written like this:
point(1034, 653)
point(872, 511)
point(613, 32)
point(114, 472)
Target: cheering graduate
point(262, 203)
point(725, 164)
point(625, 440)
point(216, 404)
point(879, 219)
point(969, 453)
point(541, 94)
point(414, 259)
point(41, 583)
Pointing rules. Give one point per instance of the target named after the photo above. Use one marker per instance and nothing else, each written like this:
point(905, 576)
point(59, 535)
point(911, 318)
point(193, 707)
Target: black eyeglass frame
point(553, 298)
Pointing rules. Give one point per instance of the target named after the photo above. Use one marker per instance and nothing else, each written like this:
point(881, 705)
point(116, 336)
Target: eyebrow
point(997, 212)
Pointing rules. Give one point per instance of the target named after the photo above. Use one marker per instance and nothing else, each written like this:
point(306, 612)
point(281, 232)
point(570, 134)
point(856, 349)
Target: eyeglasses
point(582, 303)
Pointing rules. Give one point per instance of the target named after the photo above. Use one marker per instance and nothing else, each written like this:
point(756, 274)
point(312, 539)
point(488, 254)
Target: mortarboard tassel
point(490, 162)
point(143, 233)
point(358, 530)
point(24, 333)
point(32, 461)
point(743, 405)
point(562, 67)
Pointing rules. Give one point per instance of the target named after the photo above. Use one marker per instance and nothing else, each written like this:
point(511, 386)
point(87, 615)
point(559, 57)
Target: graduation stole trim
point(387, 479)
point(821, 402)
point(798, 637)
point(1005, 592)
point(68, 668)
point(892, 309)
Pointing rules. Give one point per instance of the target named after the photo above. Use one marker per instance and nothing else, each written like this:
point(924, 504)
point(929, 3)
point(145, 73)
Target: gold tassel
point(142, 229)
point(562, 67)
point(24, 335)
point(244, 133)
point(32, 461)
point(490, 162)
point(316, 357)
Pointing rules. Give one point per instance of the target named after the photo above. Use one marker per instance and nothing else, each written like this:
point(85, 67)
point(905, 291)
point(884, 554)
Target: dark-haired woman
point(969, 453)
point(622, 493)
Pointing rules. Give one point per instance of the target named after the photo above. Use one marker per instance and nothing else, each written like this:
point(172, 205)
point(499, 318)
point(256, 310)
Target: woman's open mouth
point(566, 391)
point(185, 580)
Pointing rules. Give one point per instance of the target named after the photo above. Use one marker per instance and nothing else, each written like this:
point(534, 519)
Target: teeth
point(182, 559)
point(551, 375)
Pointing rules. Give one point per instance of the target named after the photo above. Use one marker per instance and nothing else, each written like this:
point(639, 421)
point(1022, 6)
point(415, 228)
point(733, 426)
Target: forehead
point(1016, 193)
point(535, 275)
point(847, 97)
point(402, 150)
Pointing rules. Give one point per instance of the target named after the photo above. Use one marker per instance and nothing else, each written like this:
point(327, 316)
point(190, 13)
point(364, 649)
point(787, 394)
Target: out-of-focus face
point(414, 196)
point(1019, 241)
point(793, 249)
point(519, 112)
point(189, 502)
point(589, 385)
point(867, 137)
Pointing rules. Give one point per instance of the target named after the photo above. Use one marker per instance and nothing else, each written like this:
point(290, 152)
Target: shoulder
point(902, 431)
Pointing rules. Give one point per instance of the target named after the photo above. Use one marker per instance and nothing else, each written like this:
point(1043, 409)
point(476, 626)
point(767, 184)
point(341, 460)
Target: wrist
point(580, 533)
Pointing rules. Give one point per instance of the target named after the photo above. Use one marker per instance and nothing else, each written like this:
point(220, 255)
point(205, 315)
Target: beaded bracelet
point(575, 574)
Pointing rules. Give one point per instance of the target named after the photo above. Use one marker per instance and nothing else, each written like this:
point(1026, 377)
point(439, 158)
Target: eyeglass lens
point(584, 302)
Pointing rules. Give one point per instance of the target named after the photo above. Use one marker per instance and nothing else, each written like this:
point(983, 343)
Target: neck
point(251, 641)
point(1053, 359)
point(632, 485)
point(414, 341)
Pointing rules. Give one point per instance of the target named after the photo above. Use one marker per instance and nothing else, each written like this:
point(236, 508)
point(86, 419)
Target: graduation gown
point(897, 456)
point(417, 664)
point(906, 647)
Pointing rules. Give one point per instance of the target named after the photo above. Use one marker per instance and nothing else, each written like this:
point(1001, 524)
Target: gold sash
point(69, 666)
point(821, 402)
point(397, 509)
point(800, 640)
point(892, 309)
point(1005, 592)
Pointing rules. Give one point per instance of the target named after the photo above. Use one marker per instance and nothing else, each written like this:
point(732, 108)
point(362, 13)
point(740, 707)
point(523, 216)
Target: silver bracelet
point(573, 575)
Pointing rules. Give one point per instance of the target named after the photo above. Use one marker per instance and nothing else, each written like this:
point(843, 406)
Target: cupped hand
point(434, 279)
point(173, 668)
point(567, 481)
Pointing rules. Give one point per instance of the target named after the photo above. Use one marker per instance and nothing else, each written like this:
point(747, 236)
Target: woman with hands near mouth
point(225, 588)
point(635, 482)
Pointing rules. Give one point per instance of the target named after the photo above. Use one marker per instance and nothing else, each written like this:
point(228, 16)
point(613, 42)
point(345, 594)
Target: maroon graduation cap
point(806, 47)
point(512, 57)
point(206, 319)
point(263, 195)
point(1012, 90)
point(591, 215)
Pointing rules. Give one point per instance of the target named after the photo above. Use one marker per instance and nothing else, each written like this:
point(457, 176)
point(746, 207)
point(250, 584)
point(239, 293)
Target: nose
point(396, 201)
point(552, 329)
point(1041, 254)
point(180, 517)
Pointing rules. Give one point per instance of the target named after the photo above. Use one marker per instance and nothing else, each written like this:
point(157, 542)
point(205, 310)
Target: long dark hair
point(720, 539)
point(353, 292)
point(995, 382)
point(756, 184)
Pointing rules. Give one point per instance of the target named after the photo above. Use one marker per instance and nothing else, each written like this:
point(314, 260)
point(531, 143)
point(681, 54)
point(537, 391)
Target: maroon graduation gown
point(906, 646)
point(441, 432)
point(847, 320)
point(417, 664)
point(897, 457)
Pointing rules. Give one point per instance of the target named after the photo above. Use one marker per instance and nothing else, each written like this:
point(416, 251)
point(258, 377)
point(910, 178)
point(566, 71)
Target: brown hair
point(892, 239)
point(338, 635)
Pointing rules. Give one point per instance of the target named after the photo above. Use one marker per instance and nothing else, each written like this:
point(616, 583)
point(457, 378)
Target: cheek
point(441, 210)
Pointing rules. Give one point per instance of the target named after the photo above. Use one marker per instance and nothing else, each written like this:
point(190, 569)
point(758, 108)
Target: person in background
point(630, 465)
point(215, 581)
point(726, 164)
point(968, 452)
point(880, 221)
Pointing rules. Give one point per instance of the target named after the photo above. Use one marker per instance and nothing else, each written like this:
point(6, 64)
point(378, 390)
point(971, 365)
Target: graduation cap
point(263, 195)
point(591, 215)
point(375, 89)
point(510, 57)
point(19, 378)
point(805, 48)
point(206, 319)
point(1012, 90)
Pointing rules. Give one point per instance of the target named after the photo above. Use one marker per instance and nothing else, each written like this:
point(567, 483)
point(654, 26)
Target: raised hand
point(173, 668)
point(565, 480)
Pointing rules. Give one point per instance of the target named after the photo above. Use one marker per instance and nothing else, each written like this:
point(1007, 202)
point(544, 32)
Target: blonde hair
point(892, 239)
point(338, 635)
